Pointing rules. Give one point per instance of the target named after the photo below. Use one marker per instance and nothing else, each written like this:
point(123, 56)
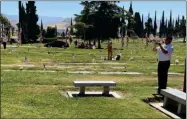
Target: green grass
point(37, 94)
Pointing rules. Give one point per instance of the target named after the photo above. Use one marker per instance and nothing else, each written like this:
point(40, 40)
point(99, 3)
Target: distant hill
point(61, 23)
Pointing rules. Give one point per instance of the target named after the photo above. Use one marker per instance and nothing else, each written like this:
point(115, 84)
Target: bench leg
point(106, 90)
point(165, 101)
point(82, 90)
point(179, 109)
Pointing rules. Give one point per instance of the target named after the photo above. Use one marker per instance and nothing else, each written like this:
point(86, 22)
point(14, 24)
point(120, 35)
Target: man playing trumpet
point(164, 56)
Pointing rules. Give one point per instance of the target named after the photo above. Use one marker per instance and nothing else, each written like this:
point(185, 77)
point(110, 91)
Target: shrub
point(48, 40)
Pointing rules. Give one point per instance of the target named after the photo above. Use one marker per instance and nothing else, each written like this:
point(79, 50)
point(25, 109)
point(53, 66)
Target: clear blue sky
point(69, 8)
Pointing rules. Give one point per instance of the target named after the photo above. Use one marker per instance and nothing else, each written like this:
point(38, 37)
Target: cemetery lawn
point(42, 94)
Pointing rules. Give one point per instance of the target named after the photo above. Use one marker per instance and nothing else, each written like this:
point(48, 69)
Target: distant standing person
point(122, 42)
point(76, 42)
point(4, 41)
point(164, 56)
point(110, 50)
point(41, 37)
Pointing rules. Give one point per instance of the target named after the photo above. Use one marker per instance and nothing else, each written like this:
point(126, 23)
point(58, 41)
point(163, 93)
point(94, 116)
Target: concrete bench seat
point(175, 95)
point(105, 84)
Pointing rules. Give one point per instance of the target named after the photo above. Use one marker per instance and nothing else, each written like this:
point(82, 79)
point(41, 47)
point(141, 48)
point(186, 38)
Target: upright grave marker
point(26, 60)
point(44, 67)
point(73, 57)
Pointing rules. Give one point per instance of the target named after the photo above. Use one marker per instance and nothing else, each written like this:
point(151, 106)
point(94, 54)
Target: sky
point(69, 8)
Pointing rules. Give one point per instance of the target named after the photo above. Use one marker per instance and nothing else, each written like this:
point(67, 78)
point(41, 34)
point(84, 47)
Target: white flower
point(176, 61)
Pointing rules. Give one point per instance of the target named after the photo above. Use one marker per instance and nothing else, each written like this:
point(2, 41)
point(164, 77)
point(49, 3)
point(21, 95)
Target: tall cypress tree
point(138, 24)
point(71, 29)
point(155, 26)
point(19, 5)
point(166, 27)
point(41, 27)
point(162, 26)
point(130, 24)
point(149, 27)
point(148, 15)
point(177, 28)
point(173, 26)
point(56, 33)
point(183, 28)
point(22, 23)
point(32, 20)
point(123, 25)
point(160, 29)
point(170, 29)
point(143, 35)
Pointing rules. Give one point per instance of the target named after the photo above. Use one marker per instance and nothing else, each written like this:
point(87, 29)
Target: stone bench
point(177, 96)
point(105, 84)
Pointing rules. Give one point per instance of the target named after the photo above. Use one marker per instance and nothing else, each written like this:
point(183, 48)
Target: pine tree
point(155, 26)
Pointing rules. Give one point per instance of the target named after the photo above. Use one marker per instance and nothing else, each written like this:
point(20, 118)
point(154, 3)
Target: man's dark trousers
point(163, 67)
point(4, 45)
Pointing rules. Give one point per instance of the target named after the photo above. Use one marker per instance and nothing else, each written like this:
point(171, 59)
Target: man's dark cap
point(169, 38)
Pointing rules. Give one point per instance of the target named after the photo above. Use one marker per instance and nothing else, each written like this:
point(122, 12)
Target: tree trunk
point(99, 44)
point(94, 42)
point(84, 35)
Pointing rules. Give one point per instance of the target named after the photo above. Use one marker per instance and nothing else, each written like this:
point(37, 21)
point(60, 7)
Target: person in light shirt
point(164, 56)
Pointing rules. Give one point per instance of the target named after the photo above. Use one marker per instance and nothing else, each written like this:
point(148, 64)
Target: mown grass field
point(37, 94)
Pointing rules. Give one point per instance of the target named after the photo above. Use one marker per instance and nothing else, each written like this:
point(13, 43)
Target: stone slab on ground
point(170, 73)
point(14, 46)
point(118, 67)
point(19, 65)
point(132, 73)
point(158, 106)
point(110, 63)
point(27, 71)
point(114, 94)
point(81, 72)
point(177, 64)
point(77, 72)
